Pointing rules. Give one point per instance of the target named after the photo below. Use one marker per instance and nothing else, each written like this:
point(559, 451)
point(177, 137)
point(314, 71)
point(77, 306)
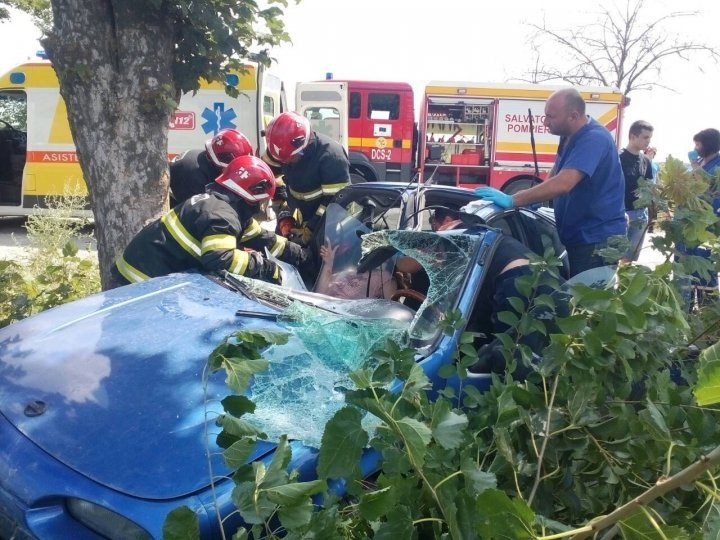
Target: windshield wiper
point(238, 285)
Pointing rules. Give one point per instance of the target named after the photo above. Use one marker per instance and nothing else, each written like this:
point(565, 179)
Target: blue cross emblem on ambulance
point(218, 118)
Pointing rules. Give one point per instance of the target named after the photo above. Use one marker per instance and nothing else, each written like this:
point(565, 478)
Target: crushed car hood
point(111, 385)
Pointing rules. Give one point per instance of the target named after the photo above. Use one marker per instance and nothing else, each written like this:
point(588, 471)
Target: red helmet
point(226, 145)
point(250, 178)
point(287, 136)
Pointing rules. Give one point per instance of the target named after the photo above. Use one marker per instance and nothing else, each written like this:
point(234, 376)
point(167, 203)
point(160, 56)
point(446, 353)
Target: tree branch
point(661, 487)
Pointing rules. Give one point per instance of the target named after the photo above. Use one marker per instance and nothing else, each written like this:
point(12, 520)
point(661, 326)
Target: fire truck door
point(325, 104)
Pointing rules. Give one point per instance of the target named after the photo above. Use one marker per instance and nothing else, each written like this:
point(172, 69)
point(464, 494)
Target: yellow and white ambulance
point(37, 153)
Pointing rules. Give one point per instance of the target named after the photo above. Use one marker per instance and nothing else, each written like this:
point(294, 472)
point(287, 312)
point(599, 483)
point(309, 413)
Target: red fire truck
point(467, 133)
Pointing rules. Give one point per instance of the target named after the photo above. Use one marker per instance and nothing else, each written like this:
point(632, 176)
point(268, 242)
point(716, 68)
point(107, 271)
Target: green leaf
point(476, 480)
point(638, 527)
point(276, 473)
point(446, 371)
point(517, 304)
point(416, 436)
point(295, 493)
point(707, 389)
point(399, 525)
point(711, 526)
point(504, 446)
point(253, 507)
point(593, 345)
point(638, 290)
point(377, 503)
point(607, 327)
point(509, 318)
point(238, 453)
point(342, 444)
point(70, 249)
point(636, 317)
point(507, 408)
point(654, 422)
point(238, 405)
point(502, 517)
point(239, 372)
point(238, 427)
point(362, 378)
point(448, 427)
point(572, 325)
point(241, 534)
point(417, 379)
point(298, 515)
point(181, 524)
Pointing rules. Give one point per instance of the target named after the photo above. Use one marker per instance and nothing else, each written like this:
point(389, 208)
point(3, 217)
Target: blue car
point(106, 407)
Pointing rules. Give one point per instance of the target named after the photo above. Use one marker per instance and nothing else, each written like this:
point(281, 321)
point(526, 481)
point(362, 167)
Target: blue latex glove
point(503, 200)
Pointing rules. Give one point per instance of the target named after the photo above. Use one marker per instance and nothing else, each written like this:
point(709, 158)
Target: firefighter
point(314, 168)
point(191, 171)
point(208, 231)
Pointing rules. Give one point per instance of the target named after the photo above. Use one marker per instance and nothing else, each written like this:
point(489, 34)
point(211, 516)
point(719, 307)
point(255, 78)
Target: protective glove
point(264, 269)
point(270, 272)
point(302, 235)
point(503, 200)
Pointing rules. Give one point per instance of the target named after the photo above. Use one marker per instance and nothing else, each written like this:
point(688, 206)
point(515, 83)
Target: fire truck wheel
point(355, 178)
point(518, 184)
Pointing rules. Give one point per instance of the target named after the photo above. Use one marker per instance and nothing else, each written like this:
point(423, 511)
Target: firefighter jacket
point(207, 233)
point(315, 178)
point(190, 172)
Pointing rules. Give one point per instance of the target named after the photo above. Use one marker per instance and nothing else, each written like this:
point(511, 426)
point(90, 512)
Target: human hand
point(327, 252)
point(503, 200)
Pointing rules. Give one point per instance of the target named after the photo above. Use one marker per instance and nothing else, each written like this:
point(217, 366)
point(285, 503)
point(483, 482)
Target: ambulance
point(467, 134)
point(37, 153)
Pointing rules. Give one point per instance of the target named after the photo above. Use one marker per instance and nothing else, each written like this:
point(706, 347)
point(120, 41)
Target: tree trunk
point(119, 102)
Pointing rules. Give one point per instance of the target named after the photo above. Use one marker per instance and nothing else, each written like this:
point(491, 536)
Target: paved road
point(12, 231)
point(13, 238)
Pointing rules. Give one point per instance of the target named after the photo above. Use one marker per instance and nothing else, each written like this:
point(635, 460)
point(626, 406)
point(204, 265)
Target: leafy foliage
point(215, 35)
point(54, 271)
point(38, 9)
point(608, 431)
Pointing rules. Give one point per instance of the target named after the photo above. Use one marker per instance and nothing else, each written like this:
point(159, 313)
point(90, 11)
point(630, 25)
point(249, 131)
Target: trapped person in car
point(209, 231)
point(586, 184)
point(339, 277)
point(192, 170)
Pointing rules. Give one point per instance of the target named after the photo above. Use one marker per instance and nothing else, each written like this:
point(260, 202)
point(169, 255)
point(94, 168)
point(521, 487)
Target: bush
point(54, 272)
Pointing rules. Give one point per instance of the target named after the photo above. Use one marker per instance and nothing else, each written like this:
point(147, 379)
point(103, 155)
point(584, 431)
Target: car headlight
point(105, 522)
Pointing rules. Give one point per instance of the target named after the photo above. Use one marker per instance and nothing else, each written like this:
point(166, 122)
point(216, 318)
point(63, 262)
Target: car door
point(533, 228)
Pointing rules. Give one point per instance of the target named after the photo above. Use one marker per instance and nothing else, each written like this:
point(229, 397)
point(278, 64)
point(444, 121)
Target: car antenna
point(536, 178)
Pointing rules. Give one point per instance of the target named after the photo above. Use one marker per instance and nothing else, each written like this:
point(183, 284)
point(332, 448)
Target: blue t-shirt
point(594, 209)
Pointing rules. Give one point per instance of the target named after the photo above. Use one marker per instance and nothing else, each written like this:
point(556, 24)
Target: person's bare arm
point(327, 255)
point(561, 183)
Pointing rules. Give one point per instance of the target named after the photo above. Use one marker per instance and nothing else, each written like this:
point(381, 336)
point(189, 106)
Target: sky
point(468, 40)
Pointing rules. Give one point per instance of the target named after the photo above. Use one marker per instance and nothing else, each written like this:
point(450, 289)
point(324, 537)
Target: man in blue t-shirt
point(586, 183)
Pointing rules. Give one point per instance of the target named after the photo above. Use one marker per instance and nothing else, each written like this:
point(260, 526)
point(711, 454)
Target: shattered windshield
point(333, 335)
